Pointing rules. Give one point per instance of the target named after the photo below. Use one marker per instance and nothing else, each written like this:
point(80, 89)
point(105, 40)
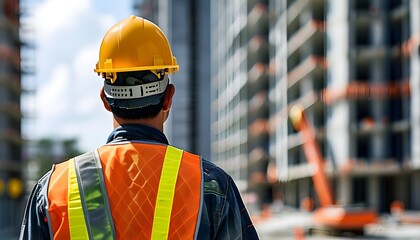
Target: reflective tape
point(166, 192)
point(94, 197)
point(77, 223)
point(91, 216)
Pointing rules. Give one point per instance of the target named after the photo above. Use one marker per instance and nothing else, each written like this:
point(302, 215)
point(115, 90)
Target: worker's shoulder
point(39, 190)
point(216, 180)
point(213, 169)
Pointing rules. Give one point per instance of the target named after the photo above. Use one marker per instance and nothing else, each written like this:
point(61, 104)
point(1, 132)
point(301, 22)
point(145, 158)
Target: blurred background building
point(353, 65)
point(240, 84)
point(11, 187)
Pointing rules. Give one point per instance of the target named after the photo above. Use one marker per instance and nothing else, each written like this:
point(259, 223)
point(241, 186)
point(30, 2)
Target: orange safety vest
point(128, 190)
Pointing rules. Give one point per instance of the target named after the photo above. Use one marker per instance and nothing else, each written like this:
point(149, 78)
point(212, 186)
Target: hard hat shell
point(134, 44)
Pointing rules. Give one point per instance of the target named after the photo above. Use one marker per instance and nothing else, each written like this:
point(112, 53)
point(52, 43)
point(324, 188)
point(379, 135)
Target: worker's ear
point(104, 101)
point(170, 91)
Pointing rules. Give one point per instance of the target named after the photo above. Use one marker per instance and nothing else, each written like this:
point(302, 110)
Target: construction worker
point(136, 186)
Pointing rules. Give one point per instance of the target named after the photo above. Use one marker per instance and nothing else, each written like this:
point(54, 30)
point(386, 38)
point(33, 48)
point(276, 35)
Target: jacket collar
point(137, 132)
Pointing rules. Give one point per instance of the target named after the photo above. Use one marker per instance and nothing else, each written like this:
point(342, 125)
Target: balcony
point(11, 82)
point(257, 49)
point(11, 110)
point(311, 64)
point(258, 19)
point(257, 78)
point(11, 136)
point(311, 32)
point(259, 103)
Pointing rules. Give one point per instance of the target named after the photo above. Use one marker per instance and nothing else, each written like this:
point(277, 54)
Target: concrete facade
point(11, 185)
point(240, 55)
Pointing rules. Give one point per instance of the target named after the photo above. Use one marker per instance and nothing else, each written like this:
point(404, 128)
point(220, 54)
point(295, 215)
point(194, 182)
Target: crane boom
point(328, 215)
point(313, 156)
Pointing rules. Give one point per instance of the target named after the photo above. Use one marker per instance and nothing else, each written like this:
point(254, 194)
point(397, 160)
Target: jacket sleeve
point(35, 222)
point(235, 222)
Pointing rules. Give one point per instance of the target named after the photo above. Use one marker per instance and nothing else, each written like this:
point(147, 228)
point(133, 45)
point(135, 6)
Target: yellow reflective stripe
point(77, 223)
point(166, 192)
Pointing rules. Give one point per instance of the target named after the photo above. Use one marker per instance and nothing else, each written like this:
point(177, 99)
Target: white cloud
point(52, 16)
point(50, 102)
point(68, 36)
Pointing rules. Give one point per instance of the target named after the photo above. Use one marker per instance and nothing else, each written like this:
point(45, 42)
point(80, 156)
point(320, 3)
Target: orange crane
point(329, 215)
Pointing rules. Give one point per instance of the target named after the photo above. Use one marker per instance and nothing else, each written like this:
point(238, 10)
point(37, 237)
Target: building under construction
point(353, 65)
point(240, 80)
point(11, 187)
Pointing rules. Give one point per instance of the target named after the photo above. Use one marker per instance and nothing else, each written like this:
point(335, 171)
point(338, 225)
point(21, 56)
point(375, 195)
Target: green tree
point(47, 151)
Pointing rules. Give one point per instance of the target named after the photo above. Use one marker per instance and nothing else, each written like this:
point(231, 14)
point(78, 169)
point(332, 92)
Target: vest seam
point(200, 210)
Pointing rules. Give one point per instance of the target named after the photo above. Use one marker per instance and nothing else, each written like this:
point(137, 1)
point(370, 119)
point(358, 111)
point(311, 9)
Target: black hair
point(136, 78)
point(139, 113)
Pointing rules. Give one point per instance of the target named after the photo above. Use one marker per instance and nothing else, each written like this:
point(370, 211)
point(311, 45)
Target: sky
point(65, 102)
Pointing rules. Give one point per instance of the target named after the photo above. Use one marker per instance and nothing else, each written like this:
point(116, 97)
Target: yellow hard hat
point(134, 44)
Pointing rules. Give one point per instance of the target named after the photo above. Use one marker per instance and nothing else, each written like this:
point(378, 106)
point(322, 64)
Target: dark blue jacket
point(224, 215)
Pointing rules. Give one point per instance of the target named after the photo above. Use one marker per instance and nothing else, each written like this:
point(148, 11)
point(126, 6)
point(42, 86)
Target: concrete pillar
point(280, 92)
point(415, 193)
point(304, 186)
point(344, 191)
point(338, 115)
point(291, 193)
point(373, 192)
point(400, 189)
point(378, 75)
point(415, 87)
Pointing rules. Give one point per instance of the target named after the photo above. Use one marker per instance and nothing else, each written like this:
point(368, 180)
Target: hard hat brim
point(171, 68)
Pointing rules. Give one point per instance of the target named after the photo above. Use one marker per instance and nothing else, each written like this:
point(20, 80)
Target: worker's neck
point(153, 122)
